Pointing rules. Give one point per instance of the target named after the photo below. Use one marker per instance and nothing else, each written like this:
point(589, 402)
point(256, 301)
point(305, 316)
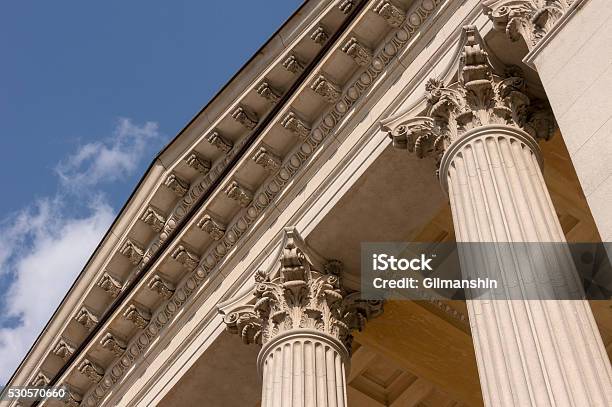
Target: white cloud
point(44, 246)
point(47, 255)
point(111, 159)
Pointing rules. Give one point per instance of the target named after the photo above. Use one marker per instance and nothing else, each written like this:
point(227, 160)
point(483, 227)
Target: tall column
point(531, 350)
point(303, 318)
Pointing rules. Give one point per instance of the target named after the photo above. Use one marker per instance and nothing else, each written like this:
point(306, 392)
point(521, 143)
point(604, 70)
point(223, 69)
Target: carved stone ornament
point(527, 19)
point(64, 349)
point(319, 35)
point(196, 161)
point(187, 258)
point(347, 5)
point(132, 251)
point(74, 398)
point(111, 285)
point(393, 15)
point(296, 125)
point(293, 65)
point(153, 217)
point(246, 118)
point(91, 370)
point(268, 160)
point(137, 315)
point(213, 227)
point(112, 343)
point(360, 54)
point(178, 185)
point(266, 91)
point(326, 89)
point(86, 318)
point(161, 286)
point(239, 193)
point(304, 292)
point(41, 379)
point(219, 141)
point(482, 95)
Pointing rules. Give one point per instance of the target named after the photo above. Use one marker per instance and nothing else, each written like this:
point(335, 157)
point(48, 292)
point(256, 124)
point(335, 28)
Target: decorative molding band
point(393, 15)
point(241, 224)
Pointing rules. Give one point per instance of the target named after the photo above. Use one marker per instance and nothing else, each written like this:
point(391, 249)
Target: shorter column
point(303, 318)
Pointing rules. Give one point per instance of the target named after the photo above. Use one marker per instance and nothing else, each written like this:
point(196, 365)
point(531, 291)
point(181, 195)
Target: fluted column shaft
point(531, 350)
point(303, 368)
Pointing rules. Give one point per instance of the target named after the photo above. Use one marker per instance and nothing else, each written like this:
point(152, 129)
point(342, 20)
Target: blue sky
point(90, 91)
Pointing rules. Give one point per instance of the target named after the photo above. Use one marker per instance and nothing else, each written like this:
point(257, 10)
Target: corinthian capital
point(303, 291)
point(527, 19)
point(483, 94)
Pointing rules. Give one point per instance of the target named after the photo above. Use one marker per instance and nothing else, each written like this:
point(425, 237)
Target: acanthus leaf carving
point(219, 141)
point(319, 35)
point(87, 318)
point(393, 15)
point(41, 379)
point(303, 294)
point(64, 349)
point(186, 257)
point(161, 286)
point(138, 315)
point(293, 64)
point(73, 397)
point(245, 117)
point(153, 217)
point(527, 19)
point(267, 159)
point(360, 54)
point(239, 193)
point(196, 161)
point(178, 185)
point(269, 93)
point(213, 227)
point(91, 370)
point(325, 88)
point(294, 124)
point(481, 96)
point(111, 285)
point(133, 251)
point(114, 344)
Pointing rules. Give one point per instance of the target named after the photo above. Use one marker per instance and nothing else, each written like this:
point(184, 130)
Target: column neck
point(484, 133)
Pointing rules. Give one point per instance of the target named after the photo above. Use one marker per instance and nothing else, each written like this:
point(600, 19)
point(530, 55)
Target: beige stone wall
point(576, 69)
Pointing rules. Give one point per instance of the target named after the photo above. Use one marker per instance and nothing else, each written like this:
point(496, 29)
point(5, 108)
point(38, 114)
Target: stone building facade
point(231, 276)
